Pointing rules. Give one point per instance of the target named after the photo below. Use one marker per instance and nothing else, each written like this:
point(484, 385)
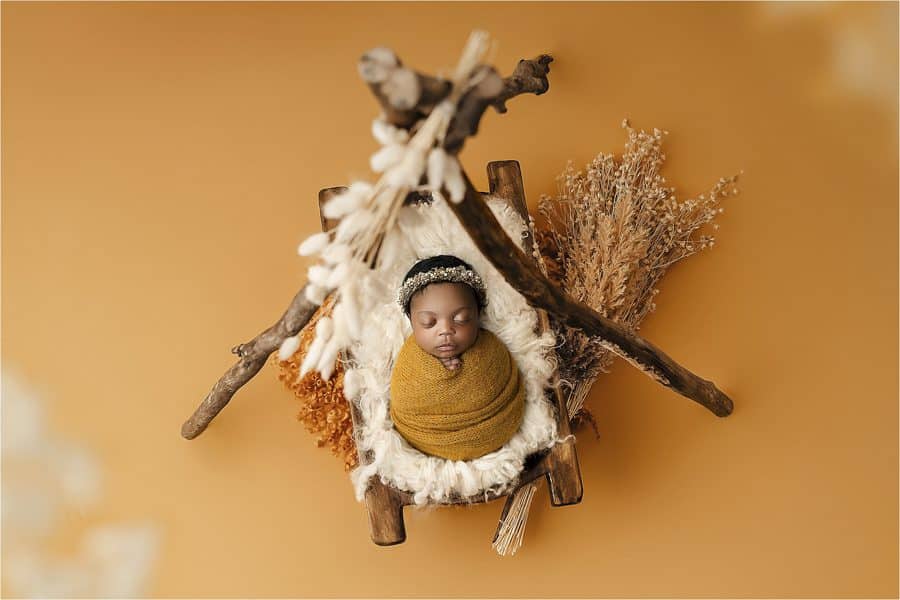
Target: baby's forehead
point(446, 290)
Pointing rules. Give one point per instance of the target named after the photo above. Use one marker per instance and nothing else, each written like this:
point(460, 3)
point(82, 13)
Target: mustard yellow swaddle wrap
point(460, 414)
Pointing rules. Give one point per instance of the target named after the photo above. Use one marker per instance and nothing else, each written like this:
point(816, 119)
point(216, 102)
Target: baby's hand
point(452, 363)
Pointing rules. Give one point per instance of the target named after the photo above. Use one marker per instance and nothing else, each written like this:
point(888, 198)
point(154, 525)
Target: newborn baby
point(456, 391)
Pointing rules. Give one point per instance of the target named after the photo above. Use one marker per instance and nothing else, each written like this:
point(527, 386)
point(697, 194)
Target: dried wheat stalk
point(611, 232)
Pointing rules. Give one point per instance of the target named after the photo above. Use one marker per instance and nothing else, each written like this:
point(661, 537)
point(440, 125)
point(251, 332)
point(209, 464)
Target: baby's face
point(444, 319)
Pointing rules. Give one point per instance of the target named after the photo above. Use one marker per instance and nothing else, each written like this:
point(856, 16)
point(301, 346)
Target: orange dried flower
point(324, 411)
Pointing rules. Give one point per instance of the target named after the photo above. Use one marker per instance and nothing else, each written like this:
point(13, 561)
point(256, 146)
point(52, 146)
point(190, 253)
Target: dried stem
point(512, 528)
point(253, 356)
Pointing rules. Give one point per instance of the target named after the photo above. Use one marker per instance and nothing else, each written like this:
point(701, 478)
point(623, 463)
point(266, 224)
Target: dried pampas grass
point(610, 234)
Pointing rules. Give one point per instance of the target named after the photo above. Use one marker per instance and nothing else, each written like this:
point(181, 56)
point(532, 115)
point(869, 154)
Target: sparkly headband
point(457, 274)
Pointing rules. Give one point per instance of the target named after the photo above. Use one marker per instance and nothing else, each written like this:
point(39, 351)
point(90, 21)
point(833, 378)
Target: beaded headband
point(457, 274)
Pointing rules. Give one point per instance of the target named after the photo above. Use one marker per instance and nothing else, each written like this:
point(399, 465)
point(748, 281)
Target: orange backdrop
point(161, 162)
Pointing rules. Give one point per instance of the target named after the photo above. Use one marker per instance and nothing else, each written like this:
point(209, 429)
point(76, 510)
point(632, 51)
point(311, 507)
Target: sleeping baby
point(456, 391)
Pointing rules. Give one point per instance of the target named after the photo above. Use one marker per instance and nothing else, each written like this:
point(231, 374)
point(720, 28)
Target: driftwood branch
point(407, 96)
point(253, 356)
point(529, 77)
point(523, 275)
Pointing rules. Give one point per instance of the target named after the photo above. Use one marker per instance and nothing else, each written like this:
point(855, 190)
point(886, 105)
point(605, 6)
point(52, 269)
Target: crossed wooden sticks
point(406, 97)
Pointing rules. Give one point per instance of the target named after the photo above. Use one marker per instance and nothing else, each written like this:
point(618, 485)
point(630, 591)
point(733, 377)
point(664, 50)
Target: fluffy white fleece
point(422, 231)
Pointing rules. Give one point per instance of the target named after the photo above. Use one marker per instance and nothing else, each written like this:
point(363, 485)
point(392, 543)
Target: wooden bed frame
point(558, 464)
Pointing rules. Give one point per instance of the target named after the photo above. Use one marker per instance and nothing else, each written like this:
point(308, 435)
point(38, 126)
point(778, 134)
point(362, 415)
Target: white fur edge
point(430, 230)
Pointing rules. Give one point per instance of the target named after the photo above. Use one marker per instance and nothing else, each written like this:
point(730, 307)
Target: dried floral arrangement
point(609, 235)
point(607, 238)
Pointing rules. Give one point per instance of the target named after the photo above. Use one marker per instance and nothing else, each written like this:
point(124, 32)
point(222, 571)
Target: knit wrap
point(458, 414)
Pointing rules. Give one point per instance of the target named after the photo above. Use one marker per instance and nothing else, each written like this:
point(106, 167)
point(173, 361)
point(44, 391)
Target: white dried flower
point(325, 365)
point(361, 188)
point(453, 180)
point(350, 311)
point(319, 274)
point(353, 224)
point(387, 157)
point(402, 88)
point(338, 275)
point(315, 294)
point(340, 323)
point(437, 159)
point(324, 328)
point(336, 253)
point(408, 171)
point(313, 244)
point(313, 354)
point(377, 63)
point(342, 204)
point(288, 347)
point(387, 134)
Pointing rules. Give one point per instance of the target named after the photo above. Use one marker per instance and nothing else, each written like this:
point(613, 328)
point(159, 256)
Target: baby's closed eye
point(459, 320)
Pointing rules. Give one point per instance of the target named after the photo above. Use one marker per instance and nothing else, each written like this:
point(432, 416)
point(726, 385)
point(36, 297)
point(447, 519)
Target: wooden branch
point(253, 356)
point(521, 273)
point(407, 96)
point(529, 77)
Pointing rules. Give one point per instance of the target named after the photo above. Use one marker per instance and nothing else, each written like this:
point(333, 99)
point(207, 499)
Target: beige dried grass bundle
point(609, 235)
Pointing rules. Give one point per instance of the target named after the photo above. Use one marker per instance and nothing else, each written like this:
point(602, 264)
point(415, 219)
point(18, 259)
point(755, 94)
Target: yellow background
point(161, 162)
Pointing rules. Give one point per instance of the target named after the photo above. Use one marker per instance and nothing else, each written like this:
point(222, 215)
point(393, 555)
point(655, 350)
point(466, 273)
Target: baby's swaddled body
point(461, 413)
point(456, 391)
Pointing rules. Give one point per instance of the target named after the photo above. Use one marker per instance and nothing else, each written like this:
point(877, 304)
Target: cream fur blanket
point(427, 230)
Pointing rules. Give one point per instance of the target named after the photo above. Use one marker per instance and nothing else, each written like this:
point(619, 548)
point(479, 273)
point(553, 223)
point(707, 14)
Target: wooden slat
point(560, 465)
point(384, 504)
